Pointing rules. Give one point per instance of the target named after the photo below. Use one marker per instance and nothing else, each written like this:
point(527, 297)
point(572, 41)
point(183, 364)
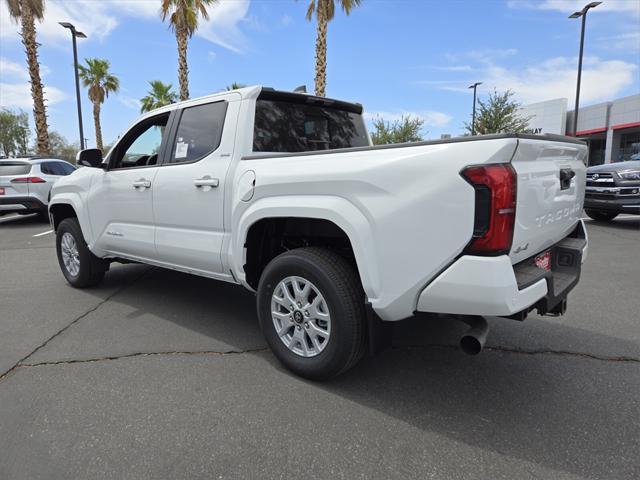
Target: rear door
point(189, 191)
point(550, 193)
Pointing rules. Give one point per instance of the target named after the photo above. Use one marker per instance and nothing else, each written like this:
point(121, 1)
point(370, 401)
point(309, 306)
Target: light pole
point(76, 34)
point(582, 13)
point(473, 114)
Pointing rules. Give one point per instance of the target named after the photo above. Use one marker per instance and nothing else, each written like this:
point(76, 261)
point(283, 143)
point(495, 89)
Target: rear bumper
point(492, 286)
point(20, 204)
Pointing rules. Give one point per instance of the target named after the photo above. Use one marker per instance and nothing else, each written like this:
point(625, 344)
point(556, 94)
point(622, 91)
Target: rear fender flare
point(334, 209)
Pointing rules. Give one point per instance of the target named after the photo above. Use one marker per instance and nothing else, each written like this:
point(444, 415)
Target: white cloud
point(89, 17)
point(485, 55)
point(431, 118)
point(556, 78)
point(18, 95)
point(626, 42)
point(211, 55)
point(12, 71)
point(454, 68)
point(570, 6)
point(98, 19)
point(15, 89)
point(129, 102)
point(286, 20)
point(223, 25)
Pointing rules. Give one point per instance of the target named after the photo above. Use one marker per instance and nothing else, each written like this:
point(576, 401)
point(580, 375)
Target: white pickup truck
point(284, 194)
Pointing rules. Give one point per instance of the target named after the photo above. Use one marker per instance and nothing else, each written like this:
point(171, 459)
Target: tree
point(183, 20)
point(325, 10)
point(159, 96)
point(234, 86)
point(95, 75)
point(499, 114)
point(26, 12)
point(407, 129)
point(61, 148)
point(14, 133)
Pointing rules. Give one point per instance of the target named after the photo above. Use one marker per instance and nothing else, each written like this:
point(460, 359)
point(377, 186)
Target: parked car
point(25, 183)
point(284, 194)
point(612, 189)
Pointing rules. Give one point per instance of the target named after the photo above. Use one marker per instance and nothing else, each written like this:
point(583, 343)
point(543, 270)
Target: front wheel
point(311, 311)
point(601, 216)
point(79, 266)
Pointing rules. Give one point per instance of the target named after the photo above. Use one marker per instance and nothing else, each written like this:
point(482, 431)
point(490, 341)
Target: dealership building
point(611, 129)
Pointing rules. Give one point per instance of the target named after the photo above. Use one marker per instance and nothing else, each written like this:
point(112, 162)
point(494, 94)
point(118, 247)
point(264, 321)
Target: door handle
point(144, 183)
point(206, 181)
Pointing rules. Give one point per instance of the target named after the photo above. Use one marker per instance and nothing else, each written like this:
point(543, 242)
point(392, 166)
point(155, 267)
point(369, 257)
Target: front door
point(188, 194)
point(120, 200)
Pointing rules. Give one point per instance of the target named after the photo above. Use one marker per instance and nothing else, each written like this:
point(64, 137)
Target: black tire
point(92, 268)
point(601, 216)
point(340, 286)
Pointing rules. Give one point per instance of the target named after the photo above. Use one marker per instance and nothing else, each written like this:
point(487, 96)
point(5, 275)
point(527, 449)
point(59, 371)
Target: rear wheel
point(601, 216)
point(311, 311)
point(79, 266)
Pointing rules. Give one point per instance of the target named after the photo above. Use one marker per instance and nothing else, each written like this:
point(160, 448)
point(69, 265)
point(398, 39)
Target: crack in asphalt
point(519, 351)
point(266, 349)
point(144, 354)
point(74, 321)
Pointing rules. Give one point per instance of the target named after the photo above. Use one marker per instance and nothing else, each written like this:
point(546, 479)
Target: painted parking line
point(43, 233)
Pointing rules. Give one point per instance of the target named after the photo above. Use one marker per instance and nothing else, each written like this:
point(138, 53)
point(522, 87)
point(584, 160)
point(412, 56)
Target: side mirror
point(91, 157)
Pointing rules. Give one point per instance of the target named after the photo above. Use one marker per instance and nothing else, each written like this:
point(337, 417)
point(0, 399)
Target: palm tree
point(96, 76)
point(159, 96)
point(325, 10)
point(184, 22)
point(234, 86)
point(26, 12)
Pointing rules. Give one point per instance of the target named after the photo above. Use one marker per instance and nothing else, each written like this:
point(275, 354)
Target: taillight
point(495, 208)
point(28, 180)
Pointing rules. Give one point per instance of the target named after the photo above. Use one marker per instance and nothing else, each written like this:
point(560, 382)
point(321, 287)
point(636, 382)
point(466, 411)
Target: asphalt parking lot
point(156, 374)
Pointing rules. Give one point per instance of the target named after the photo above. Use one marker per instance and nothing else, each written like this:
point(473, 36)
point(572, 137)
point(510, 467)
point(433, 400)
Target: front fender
point(73, 193)
point(332, 208)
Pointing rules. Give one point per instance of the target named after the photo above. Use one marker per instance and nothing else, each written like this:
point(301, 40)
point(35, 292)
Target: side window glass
point(57, 169)
point(199, 132)
point(64, 168)
point(142, 146)
point(45, 168)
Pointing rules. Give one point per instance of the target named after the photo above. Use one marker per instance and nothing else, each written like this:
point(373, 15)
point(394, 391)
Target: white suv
point(25, 183)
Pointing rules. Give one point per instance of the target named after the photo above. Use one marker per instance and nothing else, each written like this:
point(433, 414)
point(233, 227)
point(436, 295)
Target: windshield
point(288, 126)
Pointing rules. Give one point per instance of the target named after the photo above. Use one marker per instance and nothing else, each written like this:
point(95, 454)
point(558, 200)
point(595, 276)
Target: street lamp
point(76, 34)
point(582, 13)
point(473, 115)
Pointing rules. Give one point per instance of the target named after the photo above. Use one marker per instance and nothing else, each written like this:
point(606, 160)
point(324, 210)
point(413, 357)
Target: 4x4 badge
point(521, 248)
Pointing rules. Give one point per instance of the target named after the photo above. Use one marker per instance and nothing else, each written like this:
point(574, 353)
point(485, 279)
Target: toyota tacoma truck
point(284, 194)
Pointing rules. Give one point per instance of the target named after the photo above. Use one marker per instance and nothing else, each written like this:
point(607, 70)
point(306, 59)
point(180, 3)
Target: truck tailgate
point(550, 193)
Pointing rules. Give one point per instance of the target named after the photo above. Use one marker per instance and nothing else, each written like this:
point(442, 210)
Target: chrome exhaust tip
point(473, 340)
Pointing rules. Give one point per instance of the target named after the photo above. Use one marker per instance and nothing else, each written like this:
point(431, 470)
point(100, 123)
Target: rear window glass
point(14, 168)
point(282, 126)
point(199, 132)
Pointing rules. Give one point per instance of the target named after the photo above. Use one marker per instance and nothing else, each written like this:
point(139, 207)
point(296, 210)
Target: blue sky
point(393, 56)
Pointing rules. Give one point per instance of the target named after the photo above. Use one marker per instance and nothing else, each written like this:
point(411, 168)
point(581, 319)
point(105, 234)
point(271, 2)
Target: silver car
point(25, 183)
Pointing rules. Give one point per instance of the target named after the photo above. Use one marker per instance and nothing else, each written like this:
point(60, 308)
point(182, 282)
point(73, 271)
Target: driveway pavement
point(156, 374)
